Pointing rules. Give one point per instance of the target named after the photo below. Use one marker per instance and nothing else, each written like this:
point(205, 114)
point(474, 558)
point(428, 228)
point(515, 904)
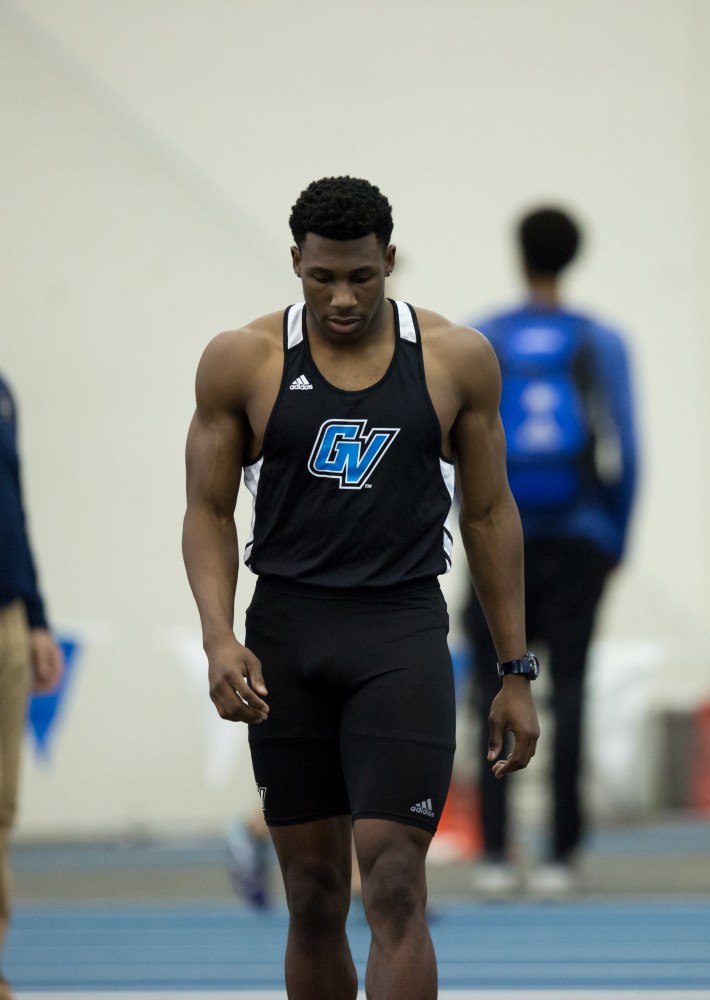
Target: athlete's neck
point(356, 362)
point(371, 334)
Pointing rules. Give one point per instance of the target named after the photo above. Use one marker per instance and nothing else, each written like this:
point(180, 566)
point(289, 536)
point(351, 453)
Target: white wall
point(151, 152)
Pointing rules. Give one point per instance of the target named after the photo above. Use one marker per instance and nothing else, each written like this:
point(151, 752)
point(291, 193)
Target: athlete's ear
point(389, 259)
point(296, 261)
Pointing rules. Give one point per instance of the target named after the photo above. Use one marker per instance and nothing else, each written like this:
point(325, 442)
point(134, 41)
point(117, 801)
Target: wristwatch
point(528, 666)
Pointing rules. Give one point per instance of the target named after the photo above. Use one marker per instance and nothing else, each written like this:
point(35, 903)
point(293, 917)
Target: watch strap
point(526, 666)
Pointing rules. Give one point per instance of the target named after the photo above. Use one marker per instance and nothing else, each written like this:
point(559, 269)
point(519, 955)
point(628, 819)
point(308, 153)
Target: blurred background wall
point(151, 150)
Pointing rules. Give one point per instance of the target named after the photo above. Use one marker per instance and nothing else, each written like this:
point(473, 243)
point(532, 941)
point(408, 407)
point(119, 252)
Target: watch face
point(533, 665)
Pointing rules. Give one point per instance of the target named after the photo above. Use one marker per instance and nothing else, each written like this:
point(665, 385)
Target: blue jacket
point(602, 515)
point(18, 578)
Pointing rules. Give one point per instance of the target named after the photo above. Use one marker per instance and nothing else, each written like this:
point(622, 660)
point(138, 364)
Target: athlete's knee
point(394, 895)
point(394, 885)
point(317, 893)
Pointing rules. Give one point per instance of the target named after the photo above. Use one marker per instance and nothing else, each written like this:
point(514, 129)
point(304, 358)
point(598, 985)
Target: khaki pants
point(14, 691)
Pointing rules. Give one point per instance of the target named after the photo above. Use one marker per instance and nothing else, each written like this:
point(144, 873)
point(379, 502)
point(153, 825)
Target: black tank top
point(351, 489)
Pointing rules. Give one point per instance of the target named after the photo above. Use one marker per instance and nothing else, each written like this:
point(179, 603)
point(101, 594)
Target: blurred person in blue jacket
point(30, 659)
point(567, 410)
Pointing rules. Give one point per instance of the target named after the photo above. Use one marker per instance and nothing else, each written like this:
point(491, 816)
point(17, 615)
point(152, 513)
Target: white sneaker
point(555, 880)
point(495, 879)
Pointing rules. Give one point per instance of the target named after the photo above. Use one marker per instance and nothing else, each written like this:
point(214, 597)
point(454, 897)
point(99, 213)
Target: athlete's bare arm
point(234, 396)
point(464, 382)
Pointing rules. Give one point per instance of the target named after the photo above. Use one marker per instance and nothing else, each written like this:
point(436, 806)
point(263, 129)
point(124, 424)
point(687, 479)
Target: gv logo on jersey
point(346, 451)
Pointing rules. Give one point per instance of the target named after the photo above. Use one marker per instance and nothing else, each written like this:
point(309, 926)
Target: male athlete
point(351, 416)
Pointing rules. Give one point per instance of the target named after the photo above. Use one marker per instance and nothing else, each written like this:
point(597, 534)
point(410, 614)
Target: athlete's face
point(343, 283)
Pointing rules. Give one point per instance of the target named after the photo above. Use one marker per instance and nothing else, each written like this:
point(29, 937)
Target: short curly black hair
point(341, 208)
point(549, 239)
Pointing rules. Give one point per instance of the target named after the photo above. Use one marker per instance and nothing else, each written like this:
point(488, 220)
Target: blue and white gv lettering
point(345, 450)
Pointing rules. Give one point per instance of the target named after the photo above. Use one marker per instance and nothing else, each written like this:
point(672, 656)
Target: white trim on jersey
point(407, 329)
point(448, 474)
point(251, 481)
point(294, 325)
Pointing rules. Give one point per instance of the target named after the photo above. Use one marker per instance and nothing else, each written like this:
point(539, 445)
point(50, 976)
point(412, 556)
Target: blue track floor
point(653, 944)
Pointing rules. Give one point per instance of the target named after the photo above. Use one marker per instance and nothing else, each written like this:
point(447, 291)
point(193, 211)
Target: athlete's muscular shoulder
point(461, 368)
point(238, 365)
point(238, 381)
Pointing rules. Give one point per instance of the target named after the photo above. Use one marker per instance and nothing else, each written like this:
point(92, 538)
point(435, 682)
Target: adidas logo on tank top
point(301, 383)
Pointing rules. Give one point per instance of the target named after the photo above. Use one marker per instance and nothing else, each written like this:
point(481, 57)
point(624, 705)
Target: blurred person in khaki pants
point(30, 659)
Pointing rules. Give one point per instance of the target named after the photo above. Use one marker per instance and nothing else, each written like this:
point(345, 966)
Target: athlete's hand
point(236, 682)
point(513, 711)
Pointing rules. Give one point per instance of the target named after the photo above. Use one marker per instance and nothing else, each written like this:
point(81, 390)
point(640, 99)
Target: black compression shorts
point(361, 695)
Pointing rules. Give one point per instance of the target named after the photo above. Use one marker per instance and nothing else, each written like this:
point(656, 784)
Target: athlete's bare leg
point(315, 860)
point(401, 964)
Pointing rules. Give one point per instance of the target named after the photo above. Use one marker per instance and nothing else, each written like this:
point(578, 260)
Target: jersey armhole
point(416, 339)
point(293, 319)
